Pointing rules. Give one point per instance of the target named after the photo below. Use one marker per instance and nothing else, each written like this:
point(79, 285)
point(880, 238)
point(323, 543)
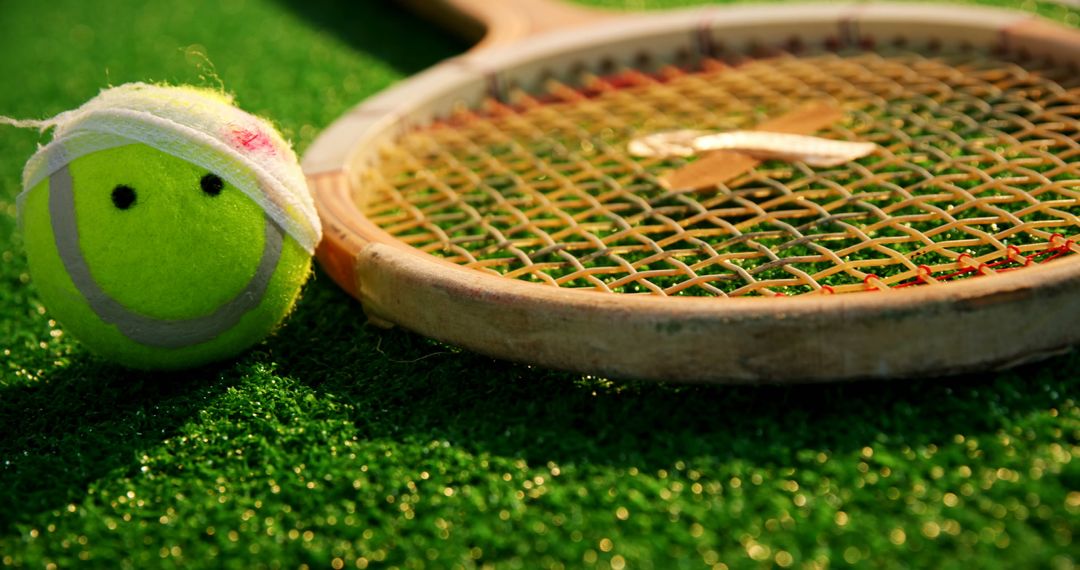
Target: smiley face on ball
point(156, 261)
point(152, 227)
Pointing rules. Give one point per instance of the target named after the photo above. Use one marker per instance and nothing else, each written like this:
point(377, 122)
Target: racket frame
point(970, 324)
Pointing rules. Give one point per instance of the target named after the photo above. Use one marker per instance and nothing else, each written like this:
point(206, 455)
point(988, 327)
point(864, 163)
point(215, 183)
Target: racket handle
point(500, 22)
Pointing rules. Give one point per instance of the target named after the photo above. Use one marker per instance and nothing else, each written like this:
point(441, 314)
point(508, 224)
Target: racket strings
point(976, 172)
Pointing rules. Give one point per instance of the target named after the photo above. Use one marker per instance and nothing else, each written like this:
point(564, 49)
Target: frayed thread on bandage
point(41, 125)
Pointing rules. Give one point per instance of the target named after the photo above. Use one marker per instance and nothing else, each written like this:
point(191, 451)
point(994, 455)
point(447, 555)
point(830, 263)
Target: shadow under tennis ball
point(89, 419)
point(79, 423)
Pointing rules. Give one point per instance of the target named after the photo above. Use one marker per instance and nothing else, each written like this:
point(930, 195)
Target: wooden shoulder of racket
point(548, 325)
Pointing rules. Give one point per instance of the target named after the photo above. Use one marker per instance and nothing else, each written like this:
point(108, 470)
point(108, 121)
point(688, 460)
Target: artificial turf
point(338, 444)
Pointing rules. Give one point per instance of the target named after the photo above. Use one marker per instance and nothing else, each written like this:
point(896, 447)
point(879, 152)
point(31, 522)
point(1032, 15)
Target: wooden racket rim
point(385, 273)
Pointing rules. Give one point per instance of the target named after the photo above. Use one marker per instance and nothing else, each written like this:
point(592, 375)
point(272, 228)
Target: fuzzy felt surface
point(172, 251)
point(176, 252)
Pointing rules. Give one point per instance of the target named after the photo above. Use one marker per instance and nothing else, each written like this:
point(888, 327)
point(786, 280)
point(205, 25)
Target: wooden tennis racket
point(492, 202)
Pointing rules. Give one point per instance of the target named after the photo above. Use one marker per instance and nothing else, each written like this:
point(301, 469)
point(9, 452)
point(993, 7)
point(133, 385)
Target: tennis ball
point(164, 227)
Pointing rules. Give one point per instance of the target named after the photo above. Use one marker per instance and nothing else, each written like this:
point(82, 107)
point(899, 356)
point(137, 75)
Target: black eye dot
point(123, 196)
point(212, 184)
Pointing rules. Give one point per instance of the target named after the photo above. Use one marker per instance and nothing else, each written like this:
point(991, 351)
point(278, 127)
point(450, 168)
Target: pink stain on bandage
point(251, 139)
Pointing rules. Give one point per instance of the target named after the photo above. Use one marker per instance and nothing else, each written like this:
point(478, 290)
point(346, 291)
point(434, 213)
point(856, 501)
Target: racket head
point(969, 324)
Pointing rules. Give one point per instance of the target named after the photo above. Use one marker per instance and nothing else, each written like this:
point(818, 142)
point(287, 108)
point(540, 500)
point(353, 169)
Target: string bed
point(977, 172)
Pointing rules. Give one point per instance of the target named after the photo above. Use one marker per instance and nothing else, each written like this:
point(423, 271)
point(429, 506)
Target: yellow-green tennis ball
point(155, 261)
